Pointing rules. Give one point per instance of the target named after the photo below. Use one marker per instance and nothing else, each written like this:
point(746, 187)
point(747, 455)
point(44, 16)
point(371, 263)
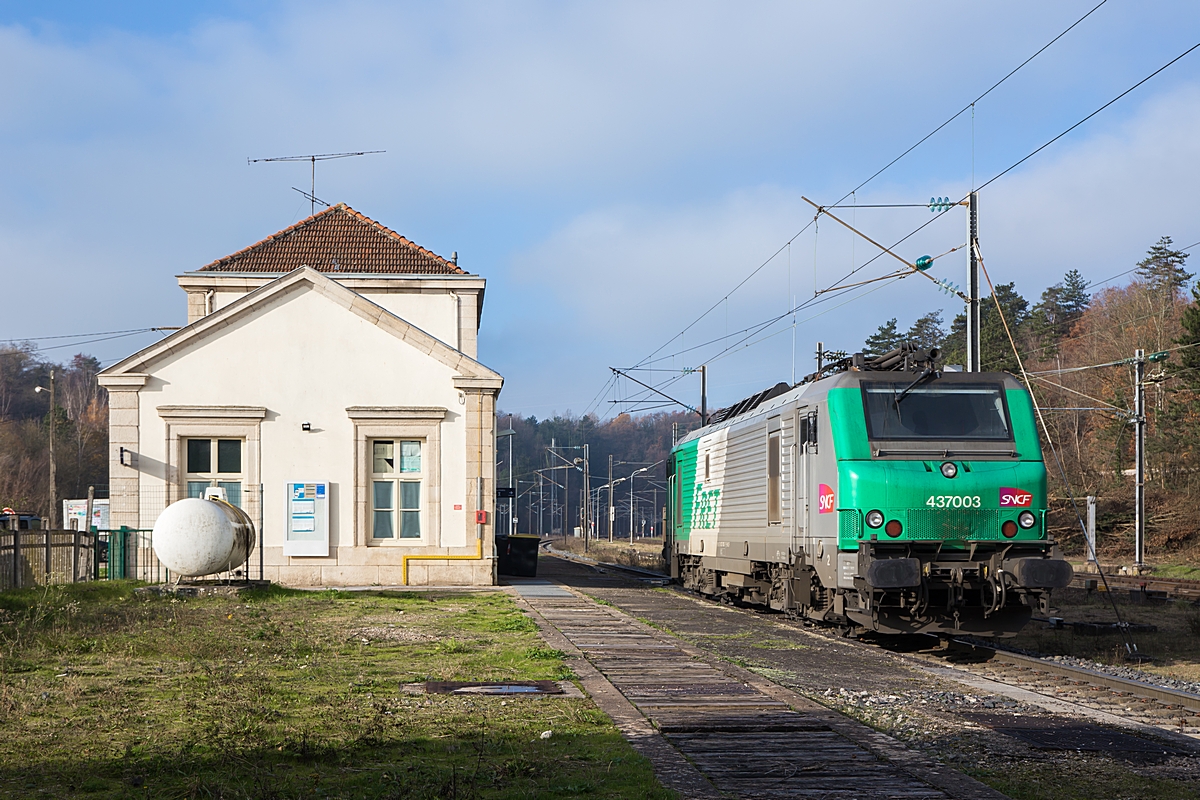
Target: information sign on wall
point(307, 519)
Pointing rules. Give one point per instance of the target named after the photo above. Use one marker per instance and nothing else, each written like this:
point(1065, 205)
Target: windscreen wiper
point(929, 372)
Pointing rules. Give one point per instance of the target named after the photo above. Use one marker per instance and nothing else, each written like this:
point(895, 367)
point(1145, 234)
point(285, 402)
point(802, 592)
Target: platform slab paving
point(739, 734)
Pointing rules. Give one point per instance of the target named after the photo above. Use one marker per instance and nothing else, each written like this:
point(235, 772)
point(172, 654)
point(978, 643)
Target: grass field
point(105, 692)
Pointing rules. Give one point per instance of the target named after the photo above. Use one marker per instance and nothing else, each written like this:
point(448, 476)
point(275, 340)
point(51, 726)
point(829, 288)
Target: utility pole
point(587, 489)
point(611, 508)
point(53, 465)
point(973, 354)
point(541, 503)
point(631, 509)
point(1092, 558)
point(1139, 502)
point(512, 501)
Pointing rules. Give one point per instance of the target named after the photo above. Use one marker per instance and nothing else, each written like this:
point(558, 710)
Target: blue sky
point(611, 169)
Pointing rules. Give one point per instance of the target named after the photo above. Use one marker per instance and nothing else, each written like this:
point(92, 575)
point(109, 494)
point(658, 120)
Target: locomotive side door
point(802, 478)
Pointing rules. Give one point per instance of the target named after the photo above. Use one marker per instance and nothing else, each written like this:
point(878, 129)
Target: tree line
point(80, 415)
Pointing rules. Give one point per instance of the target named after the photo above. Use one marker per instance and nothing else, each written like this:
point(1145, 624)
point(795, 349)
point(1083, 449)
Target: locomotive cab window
point(807, 434)
point(949, 411)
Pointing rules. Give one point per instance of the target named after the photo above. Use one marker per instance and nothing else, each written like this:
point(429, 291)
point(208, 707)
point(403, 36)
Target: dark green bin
point(517, 555)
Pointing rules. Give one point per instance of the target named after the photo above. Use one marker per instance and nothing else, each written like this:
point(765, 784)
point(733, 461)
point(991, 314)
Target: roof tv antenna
point(312, 198)
point(313, 159)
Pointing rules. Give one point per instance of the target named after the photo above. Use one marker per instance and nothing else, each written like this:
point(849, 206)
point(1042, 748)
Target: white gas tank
point(195, 537)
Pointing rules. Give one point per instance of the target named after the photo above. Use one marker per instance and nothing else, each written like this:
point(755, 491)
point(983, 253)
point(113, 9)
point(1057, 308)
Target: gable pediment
point(265, 300)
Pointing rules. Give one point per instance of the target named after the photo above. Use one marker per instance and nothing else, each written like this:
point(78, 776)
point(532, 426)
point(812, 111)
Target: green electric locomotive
point(878, 494)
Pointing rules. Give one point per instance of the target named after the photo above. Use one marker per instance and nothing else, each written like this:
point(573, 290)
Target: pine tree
point(954, 347)
point(1163, 269)
point(1060, 307)
point(927, 331)
point(1189, 356)
point(996, 353)
point(885, 339)
point(1074, 298)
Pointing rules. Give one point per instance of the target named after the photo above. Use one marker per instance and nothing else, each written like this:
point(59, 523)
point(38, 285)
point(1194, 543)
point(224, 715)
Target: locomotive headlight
point(949, 469)
point(1009, 529)
point(874, 519)
point(1026, 519)
point(894, 528)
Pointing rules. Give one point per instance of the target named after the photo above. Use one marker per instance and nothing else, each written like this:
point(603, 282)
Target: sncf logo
point(1015, 498)
point(824, 499)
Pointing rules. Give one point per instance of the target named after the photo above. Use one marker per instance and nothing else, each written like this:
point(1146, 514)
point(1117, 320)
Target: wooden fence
point(37, 558)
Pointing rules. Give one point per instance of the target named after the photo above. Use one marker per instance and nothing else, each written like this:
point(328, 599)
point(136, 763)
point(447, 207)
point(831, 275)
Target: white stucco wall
point(435, 312)
point(306, 359)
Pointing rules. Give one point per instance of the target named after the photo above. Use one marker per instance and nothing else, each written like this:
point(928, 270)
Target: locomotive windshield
point(948, 411)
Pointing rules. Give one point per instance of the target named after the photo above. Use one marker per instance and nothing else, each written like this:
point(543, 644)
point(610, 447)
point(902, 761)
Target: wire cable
point(879, 172)
point(1030, 155)
point(971, 104)
point(76, 335)
point(1130, 645)
point(991, 180)
point(1001, 174)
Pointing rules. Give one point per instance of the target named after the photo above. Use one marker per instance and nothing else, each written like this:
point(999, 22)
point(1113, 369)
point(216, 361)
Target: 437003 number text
point(954, 501)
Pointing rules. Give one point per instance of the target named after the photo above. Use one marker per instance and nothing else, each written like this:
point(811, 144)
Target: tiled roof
point(334, 241)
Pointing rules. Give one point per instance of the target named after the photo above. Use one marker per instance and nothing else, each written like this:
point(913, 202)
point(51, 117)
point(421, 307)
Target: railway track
point(1141, 703)
point(1177, 588)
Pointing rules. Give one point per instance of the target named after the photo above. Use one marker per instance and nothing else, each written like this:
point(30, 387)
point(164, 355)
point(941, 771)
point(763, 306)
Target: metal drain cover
point(498, 687)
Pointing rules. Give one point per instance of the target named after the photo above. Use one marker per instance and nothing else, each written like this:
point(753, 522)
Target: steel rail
point(1182, 588)
point(1150, 691)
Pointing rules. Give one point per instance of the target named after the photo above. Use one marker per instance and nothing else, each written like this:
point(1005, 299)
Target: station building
point(326, 382)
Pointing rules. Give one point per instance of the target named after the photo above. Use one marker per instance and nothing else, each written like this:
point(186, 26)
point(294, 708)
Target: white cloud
point(1097, 205)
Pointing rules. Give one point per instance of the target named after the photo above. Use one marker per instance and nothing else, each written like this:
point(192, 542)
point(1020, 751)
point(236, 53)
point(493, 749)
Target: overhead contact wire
point(1130, 646)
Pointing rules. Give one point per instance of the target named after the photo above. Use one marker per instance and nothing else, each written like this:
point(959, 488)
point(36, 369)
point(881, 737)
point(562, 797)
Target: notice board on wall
point(307, 519)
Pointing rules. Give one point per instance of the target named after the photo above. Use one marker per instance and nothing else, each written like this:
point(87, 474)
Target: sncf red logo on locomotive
point(824, 499)
point(1015, 498)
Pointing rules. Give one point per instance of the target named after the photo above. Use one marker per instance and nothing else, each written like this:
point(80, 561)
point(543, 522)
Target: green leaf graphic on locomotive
point(704, 507)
